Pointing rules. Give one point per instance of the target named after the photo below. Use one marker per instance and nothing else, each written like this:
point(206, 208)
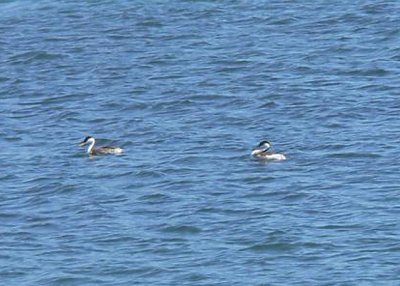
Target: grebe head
point(87, 140)
point(264, 145)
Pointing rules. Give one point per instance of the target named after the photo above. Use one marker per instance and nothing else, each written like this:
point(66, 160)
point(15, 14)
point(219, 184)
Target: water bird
point(261, 151)
point(91, 150)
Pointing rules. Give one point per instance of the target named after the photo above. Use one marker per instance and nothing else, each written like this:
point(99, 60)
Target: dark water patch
point(31, 57)
point(149, 174)
point(4, 79)
point(271, 247)
point(295, 197)
point(342, 227)
point(66, 279)
point(111, 239)
point(181, 229)
point(354, 155)
point(156, 198)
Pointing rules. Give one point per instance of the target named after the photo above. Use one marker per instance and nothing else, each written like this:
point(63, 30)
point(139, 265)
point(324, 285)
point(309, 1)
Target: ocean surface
point(188, 88)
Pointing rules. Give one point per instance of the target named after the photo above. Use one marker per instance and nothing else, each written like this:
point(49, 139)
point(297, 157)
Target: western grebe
point(261, 152)
point(101, 150)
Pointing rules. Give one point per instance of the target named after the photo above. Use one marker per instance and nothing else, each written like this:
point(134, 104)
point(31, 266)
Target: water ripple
point(188, 88)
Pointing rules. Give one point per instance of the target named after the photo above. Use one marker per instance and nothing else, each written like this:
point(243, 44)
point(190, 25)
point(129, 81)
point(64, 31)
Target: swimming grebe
point(261, 152)
point(101, 150)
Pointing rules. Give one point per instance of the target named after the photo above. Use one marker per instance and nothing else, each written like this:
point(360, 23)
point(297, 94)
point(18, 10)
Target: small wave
point(30, 57)
point(184, 229)
point(274, 247)
point(155, 198)
point(354, 155)
point(365, 72)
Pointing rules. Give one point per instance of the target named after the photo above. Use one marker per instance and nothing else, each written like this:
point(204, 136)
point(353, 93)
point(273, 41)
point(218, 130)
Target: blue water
point(188, 88)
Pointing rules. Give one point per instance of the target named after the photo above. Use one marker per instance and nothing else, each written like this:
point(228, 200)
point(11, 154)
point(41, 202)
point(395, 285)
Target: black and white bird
point(104, 150)
point(261, 151)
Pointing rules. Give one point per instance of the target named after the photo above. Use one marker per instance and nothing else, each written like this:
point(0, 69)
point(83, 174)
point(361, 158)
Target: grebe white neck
point(91, 141)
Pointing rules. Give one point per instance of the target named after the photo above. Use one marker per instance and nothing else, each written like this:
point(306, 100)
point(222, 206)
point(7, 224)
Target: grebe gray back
point(91, 150)
point(261, 152)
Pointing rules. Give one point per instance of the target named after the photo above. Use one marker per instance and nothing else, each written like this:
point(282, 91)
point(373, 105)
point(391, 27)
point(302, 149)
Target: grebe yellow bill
point(91, 150)
point(261, 152)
